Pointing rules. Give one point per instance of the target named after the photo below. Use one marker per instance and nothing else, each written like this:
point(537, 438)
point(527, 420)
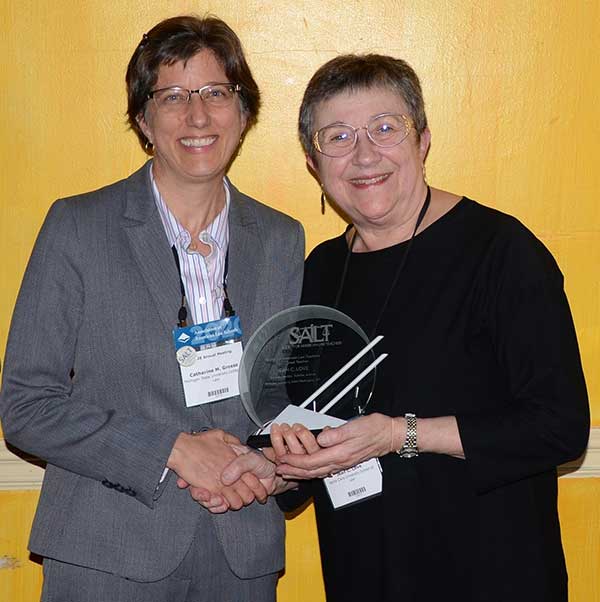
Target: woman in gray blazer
point(92, 384)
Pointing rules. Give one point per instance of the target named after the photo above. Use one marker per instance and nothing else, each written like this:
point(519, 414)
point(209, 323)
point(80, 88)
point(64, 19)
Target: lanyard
point(228, 310)
point(398, 269)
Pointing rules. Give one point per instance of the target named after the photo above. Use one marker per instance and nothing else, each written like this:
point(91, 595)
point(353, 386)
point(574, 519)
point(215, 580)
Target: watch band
point(410, 449)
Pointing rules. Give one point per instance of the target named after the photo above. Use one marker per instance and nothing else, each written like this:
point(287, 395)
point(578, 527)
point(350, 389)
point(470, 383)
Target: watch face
point(409, 452)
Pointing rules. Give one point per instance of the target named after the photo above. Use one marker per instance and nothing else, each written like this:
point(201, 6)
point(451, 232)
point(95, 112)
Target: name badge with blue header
point(209, 357)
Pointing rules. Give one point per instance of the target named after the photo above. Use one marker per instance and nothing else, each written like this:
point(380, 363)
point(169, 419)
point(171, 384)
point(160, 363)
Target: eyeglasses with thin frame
point(385, 130)
point(175, 99)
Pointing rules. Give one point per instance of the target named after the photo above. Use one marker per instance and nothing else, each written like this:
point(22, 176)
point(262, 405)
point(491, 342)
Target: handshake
point(221, 473)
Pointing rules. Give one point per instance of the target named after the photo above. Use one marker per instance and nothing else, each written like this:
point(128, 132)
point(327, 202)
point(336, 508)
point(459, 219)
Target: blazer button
point(108, 484)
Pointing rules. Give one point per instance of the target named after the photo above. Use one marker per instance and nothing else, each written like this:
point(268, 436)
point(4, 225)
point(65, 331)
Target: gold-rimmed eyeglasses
point(385, 130)
point(175, 99)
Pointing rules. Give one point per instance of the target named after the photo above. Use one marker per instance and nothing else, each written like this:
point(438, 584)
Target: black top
point(478, 327)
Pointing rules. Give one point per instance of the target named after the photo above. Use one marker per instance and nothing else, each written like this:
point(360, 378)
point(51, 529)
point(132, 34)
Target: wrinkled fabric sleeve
point(42, 413)
point(545, 420)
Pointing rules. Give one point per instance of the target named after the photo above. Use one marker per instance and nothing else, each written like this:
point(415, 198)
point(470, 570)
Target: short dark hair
point(351, 72)
point(179, 39)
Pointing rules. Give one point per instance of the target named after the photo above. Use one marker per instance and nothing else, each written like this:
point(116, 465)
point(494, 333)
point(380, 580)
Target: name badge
point(355, 484)
point(209, 357)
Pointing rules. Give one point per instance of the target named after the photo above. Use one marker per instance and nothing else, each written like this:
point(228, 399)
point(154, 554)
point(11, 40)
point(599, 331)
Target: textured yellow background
point(512, 98)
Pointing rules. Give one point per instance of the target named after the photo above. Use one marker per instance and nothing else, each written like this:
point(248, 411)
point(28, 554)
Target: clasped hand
point(200, 461)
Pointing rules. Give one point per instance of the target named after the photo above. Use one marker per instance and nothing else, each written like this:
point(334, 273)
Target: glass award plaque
point(309, 364)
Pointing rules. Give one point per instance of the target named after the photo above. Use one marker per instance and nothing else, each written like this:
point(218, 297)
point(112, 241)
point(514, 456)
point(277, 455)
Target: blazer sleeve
point(43, 410)
point(544, 421)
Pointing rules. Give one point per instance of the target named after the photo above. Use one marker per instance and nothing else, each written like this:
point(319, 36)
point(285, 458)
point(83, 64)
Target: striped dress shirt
point(202, 276)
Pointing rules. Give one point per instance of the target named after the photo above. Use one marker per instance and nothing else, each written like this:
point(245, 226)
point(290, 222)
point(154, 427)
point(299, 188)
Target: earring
point(322, 202)
point(424, 174)
point(148, 147)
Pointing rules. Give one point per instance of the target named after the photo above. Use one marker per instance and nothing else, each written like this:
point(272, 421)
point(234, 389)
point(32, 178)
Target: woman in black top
point(482, 350)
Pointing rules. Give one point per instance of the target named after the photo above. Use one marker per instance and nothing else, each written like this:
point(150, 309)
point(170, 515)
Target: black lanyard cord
point(398, 269)
point(344, 270)
point(227, 307)
point(182, 314)
point(228, 310)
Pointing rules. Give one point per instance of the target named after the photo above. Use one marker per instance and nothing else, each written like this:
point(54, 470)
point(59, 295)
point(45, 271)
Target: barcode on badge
point(358, 491)
point(218, 392)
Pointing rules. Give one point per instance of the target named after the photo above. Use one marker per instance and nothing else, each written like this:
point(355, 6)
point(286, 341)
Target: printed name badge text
point(209, 357)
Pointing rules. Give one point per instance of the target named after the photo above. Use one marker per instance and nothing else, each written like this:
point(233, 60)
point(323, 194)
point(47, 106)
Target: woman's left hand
point(342, 447)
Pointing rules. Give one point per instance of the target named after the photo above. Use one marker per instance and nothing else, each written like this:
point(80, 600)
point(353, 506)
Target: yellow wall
point(20, 579)
point(512, 98)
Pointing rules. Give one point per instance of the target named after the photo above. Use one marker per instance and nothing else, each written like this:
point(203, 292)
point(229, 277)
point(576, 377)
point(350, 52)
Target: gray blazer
point(91, 384)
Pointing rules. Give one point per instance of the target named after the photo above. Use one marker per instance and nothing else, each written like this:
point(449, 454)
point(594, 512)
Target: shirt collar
point(218, 229)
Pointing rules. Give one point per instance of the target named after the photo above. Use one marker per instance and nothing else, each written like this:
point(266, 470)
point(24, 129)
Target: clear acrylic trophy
point(309, 364)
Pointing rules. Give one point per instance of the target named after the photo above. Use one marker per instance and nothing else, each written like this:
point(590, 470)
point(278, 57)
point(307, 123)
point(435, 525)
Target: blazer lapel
point(246, 259)
point(150, 247)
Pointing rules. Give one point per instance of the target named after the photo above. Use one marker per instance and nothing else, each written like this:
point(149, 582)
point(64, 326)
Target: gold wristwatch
point(410, 449)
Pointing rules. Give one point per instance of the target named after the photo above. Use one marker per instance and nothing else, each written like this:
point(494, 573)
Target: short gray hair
point(351, 72)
